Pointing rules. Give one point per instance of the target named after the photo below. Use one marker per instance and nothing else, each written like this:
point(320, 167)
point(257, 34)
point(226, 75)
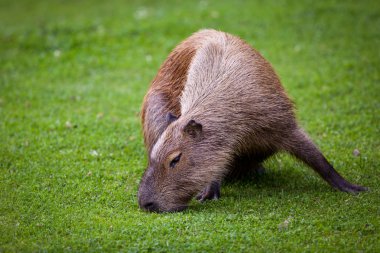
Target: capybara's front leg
point(212, 191)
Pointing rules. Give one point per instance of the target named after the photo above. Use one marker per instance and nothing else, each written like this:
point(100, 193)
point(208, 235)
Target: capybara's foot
point(342, 185)
point(212, 191)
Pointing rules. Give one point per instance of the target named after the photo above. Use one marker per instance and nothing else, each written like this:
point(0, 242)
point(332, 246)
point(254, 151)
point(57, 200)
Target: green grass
point(73, 75)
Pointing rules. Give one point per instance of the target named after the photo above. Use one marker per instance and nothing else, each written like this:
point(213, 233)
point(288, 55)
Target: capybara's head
point(176, 170)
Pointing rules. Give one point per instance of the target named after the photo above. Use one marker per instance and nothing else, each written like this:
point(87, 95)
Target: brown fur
point(230, 110)
point(164, 93)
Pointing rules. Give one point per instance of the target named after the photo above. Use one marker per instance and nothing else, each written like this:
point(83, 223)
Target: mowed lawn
point(73, 76)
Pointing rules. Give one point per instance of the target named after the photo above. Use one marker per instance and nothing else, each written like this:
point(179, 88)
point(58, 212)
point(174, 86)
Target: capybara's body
point(216, 105)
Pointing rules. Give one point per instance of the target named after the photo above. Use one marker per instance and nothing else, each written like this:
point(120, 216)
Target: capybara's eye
point(175, 160)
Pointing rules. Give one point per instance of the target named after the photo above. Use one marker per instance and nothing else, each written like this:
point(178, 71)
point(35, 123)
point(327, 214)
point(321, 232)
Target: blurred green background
point(73, 76)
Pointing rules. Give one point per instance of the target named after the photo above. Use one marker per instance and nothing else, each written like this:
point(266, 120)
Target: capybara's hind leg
point(303, 148)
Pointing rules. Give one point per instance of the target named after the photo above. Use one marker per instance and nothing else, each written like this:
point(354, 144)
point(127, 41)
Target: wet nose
point(150, 206)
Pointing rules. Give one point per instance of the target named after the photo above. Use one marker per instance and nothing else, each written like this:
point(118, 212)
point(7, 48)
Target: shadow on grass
point(273, 186)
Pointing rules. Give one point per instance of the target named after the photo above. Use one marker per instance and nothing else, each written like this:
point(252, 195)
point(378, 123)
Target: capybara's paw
point(345, 186)
point(212, 191)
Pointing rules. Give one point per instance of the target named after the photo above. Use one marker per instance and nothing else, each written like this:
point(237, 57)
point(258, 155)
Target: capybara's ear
point(193, 129)
point(170, 118)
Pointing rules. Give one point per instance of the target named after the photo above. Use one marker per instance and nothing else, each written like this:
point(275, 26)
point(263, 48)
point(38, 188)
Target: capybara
point(215, 105)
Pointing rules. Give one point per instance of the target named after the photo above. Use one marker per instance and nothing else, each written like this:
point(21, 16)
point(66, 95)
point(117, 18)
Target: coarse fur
point(215, 106)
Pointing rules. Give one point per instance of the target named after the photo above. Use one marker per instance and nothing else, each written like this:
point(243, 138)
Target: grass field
point(73, 75)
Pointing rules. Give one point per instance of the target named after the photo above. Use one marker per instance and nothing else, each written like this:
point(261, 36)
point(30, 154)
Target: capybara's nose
point(150, 206)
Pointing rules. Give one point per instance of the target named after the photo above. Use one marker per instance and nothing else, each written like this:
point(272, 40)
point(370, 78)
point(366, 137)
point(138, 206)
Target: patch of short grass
point(73, 75)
